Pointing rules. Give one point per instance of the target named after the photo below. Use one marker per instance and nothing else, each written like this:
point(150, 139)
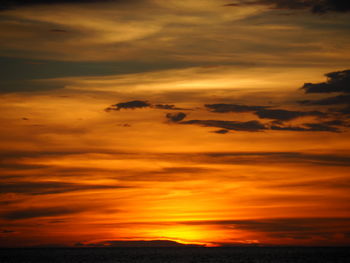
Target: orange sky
point(169, 120)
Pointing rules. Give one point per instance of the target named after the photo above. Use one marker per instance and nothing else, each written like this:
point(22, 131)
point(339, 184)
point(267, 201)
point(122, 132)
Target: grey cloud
point(175, 117)
point(251, 126)
point(338, 81)
point(135, 104)
point(41, 188)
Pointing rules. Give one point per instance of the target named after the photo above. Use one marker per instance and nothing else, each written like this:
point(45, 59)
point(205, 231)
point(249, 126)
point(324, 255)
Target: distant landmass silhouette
point(137, 243)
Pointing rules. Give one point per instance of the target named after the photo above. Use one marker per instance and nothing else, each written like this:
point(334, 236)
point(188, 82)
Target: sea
point(172, 254)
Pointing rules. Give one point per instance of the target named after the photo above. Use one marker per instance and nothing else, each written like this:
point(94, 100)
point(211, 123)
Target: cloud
point(42, 188)
point(135, 104)
point(315, 6)
point(275, 157)
point(285, 115)
point(135, 243)
point(7, 4)
point(7, 231)
point(335, 183)
point(262, 111)
point(39, 212)
point(323, 6)
point(286, 226)
point(167, 107)
point(141, 104)
point(222, 131)
point(326, 127)
point(345, 110)
point(338, 81)
point(335, 123)
point(321, 127)
point(341, 99)
point(167, 174)
point(175, 117)
point(223, 108)
point(56, 30)
point(252, 126)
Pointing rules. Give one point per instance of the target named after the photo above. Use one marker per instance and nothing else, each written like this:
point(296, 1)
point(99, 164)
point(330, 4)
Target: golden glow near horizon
point(266, 167)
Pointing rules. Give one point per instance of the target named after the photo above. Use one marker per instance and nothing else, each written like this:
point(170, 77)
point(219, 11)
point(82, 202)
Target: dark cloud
point(56, 30)
point(169, 174)
point(184, 169)
point(280, 115)
point(323, 6)
point(337, 100)
point(135, 243)
point(262, 112)
point(321, 127)
point(167, 107)
point(306, 226)
point(39, 212)
point(288, 128)
point(7, 231)
point(315, 6)
point(334, 183)
point(142, 104)
point(223, 108)
point(135, 104)
point(20, 166)
point(345, 110)
point(285, 115)
point(41, 188)
point(326, 127)
point(273, 157)
point(338, 81)
point(335, 123)
point(7, 4)
point(222, 131)
point(251, 126)
point(175, 117)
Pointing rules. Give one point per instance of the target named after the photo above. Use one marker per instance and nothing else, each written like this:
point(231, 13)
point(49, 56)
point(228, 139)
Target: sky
point(209, 122)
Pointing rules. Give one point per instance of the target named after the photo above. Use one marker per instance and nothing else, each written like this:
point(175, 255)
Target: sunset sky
point(212, 122)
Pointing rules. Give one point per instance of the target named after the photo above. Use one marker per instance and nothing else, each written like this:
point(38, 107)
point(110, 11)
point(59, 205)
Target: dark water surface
point(188, 255)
